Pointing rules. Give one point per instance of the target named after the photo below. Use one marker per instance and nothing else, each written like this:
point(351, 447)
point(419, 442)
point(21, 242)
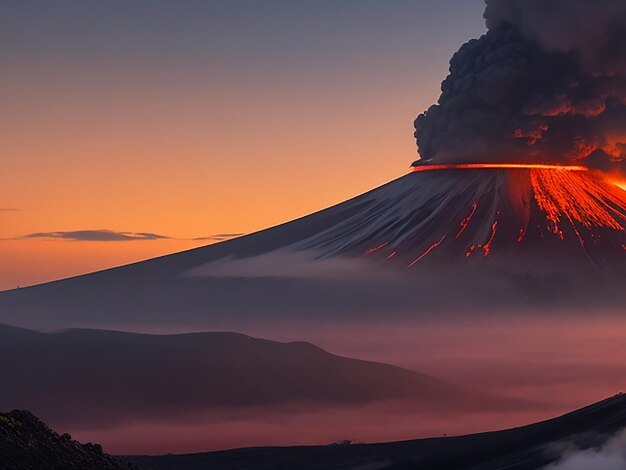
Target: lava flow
point(369, 251)
point(510, 213)
point(499, 166)
point(465, 222)
point(430, 248)
point(486, 247)
point(577, 198)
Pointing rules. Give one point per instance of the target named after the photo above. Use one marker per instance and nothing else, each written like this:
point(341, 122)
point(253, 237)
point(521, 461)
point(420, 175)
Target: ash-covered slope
point(26, 443)
point(490, 236)
point(98, 378)
point(524, 448)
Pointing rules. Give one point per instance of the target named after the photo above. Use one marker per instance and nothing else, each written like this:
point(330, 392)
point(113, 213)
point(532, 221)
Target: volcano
point(486, 233)
point(447, 213)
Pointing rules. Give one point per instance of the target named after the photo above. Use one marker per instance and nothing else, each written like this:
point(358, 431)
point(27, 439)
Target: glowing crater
point(499, 166)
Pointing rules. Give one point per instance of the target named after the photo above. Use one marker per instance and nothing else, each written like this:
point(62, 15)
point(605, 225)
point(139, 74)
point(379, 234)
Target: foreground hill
point(102, 377)
point(524, 448)
point(28, 444)
point(493, 237)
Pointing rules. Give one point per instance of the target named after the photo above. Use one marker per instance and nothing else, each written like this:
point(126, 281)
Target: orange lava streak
point(431, 248)
point(485, 246)
point(465, 222)
point(522, 234)
point(499, 166)
point(392, 255)
point(577, 198)
point(376, 248)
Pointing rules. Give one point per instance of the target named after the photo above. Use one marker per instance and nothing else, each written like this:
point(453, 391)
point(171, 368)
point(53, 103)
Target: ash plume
point(546, 83)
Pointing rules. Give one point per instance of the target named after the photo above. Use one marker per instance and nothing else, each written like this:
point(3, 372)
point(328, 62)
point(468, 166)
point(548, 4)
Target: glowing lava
point(486, 247)
point(541, 205)
point(577, 198)
point(431, 248)
point(375, 249)
point(465, 222)
point(620, 184)
point(499, 166)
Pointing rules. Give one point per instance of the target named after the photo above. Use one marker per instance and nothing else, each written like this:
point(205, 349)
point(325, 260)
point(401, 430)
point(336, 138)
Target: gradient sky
point(189, 118)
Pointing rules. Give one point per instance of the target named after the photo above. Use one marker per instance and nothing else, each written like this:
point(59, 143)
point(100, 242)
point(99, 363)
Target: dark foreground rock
point(524, 448)
point(26, 443)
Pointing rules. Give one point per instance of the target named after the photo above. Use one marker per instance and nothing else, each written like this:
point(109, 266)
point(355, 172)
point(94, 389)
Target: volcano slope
point(451, 237)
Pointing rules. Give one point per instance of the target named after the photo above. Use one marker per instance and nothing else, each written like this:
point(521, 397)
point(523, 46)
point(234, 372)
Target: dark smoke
point(546, 83)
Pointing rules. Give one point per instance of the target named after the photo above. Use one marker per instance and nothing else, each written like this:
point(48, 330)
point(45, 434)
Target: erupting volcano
point(512, 201)
point(460, 213)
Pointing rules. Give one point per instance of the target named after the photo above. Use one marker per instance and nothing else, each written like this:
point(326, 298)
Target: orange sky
point(108, 125)
point(187, 182)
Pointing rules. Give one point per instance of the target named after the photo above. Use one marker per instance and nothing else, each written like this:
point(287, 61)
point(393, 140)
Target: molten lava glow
point(431, 248)
point(485, 246)
point(375, 249)
point(568, 201)
point(620, 184)
point(465, 222)
point(578, 198)
point(499, 166)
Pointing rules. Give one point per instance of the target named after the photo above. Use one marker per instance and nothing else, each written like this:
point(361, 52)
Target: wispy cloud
point(611, 456)
point(219, 237)
point(8, 209)
point(96, 236)
point(291, 265)
point(104, 235)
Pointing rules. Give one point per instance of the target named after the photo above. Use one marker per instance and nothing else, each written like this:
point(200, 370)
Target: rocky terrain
point(26, 443)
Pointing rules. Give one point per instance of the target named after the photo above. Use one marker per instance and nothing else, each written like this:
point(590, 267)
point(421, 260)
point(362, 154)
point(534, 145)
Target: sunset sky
point(193, 119)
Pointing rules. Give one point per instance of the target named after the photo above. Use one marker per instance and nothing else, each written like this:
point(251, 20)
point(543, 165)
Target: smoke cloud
point(546, 83)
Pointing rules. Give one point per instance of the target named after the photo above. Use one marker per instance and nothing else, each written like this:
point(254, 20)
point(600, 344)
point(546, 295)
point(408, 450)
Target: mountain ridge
point(61, 375)
point(527, 447)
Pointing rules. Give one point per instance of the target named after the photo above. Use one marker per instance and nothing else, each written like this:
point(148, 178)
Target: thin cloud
point(219, 237)
point(96, 236)
point(291, 265)
point(611, 456)
point(8, 209)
